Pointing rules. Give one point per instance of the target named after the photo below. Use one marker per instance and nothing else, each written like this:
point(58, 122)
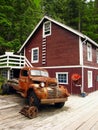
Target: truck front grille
point(52, 91)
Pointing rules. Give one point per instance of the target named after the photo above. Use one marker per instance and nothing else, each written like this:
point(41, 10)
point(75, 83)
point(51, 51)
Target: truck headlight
point(42, 84)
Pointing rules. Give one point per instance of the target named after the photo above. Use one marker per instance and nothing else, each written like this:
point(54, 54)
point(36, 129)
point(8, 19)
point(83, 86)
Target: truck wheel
point(5, 89)
point(59, 105)
point(33, 99)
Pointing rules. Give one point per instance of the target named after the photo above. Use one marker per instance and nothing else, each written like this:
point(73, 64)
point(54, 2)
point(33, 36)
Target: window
point(11, 74)
point(39, 73)
point(24, 73)
point(97, 55)
point(97, 78)
point(47, 29)
point(35, 55)
point(90, 82)
point(4, 73)
point(89, 52)
point(62, 77)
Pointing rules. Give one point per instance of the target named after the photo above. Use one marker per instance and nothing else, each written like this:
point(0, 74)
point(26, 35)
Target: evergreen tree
point(55, 9)
point(96, 21)
point(75, 10)
point(89, 21)
point(17, 20)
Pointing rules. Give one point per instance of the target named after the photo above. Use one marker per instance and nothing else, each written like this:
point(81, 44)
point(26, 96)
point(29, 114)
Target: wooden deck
point(78, 114)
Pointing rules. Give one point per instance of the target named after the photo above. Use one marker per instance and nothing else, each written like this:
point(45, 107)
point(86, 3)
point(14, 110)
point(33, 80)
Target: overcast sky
point(89, 0)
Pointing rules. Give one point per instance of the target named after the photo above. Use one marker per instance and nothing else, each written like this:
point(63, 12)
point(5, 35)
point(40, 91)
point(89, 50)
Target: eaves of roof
point(63, 26)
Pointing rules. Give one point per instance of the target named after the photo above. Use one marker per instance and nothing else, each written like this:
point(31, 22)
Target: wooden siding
point(72, 88)
point(94, 81)
point(62, 47)
point(35, 41)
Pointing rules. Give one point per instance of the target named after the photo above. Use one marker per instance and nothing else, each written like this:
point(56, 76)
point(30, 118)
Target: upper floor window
point(97, 55)
point(47, 29)
point(62, 77)
point(89, 52)
point(35, 55)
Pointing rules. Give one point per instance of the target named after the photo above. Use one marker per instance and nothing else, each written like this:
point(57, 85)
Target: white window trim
point(90, 81)
point(62, 73)
point(32, 60)
point(89, 58)
point(44, 35)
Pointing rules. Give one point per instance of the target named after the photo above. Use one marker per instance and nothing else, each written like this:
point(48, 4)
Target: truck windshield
point(39, 73)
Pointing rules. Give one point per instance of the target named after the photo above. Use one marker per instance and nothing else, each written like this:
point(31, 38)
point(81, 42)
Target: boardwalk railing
point(13, 61)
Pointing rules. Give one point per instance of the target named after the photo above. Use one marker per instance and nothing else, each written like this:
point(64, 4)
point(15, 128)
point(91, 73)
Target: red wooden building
point(63, 51)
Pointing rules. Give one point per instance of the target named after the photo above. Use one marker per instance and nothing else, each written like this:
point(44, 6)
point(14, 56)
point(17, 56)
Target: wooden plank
point(89, 123)
point(95, 126)
point(8, 106)
point(78, 113)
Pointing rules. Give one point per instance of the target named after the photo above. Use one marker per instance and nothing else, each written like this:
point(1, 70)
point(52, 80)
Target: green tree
point(17, 20)
point(96, 20)
point(75, 10)
point(89, 26)
point(55, 9)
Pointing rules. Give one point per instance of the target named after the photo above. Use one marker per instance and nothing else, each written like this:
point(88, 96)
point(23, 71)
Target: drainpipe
point(82, 86)
point(81, 47)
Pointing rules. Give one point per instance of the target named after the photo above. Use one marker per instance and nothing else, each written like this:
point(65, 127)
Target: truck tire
point(59, 105)
point(5, 89)
point(33, 99)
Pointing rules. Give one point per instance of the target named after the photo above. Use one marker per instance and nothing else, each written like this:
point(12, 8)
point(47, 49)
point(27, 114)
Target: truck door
point(23, 80)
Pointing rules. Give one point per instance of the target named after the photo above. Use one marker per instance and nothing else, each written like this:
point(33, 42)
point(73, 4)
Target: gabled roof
point(63, 26)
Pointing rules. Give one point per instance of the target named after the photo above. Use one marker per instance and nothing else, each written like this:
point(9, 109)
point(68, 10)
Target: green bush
point(2, 80)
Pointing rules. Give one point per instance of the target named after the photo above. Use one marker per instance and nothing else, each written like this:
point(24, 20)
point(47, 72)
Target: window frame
point(90, 79)
point(97, 55)
point(57, 73)
point(44, 35)
point(32, 55)
point(89, 52)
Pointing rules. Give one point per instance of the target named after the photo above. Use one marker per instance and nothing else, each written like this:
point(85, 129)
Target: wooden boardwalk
point(78, 114)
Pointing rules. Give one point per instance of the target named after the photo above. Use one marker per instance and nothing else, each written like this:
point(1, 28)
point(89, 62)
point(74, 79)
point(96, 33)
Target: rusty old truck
point(37, 87)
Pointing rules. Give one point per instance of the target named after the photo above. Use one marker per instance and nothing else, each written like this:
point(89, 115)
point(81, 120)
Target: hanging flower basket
point(75, 77)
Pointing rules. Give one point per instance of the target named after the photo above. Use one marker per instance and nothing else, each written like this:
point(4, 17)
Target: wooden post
point(8, 74)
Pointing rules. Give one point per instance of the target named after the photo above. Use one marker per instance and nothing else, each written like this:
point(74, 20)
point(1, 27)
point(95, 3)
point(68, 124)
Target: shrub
point(2, 80)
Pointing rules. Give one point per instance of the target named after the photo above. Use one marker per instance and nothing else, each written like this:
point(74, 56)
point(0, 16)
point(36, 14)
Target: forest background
point(19, 17)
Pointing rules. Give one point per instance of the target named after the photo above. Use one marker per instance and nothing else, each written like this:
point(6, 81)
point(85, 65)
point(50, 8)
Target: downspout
point(82, 86)
point(81, 62)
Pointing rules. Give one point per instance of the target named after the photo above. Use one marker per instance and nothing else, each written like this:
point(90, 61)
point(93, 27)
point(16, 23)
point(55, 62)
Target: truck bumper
point(55, 100)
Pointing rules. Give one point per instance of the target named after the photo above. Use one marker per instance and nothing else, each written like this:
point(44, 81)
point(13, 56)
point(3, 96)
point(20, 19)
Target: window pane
point(47, 28)
point(89, 52)
point(90, 79)
point(97, 55)
point(35, 54)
